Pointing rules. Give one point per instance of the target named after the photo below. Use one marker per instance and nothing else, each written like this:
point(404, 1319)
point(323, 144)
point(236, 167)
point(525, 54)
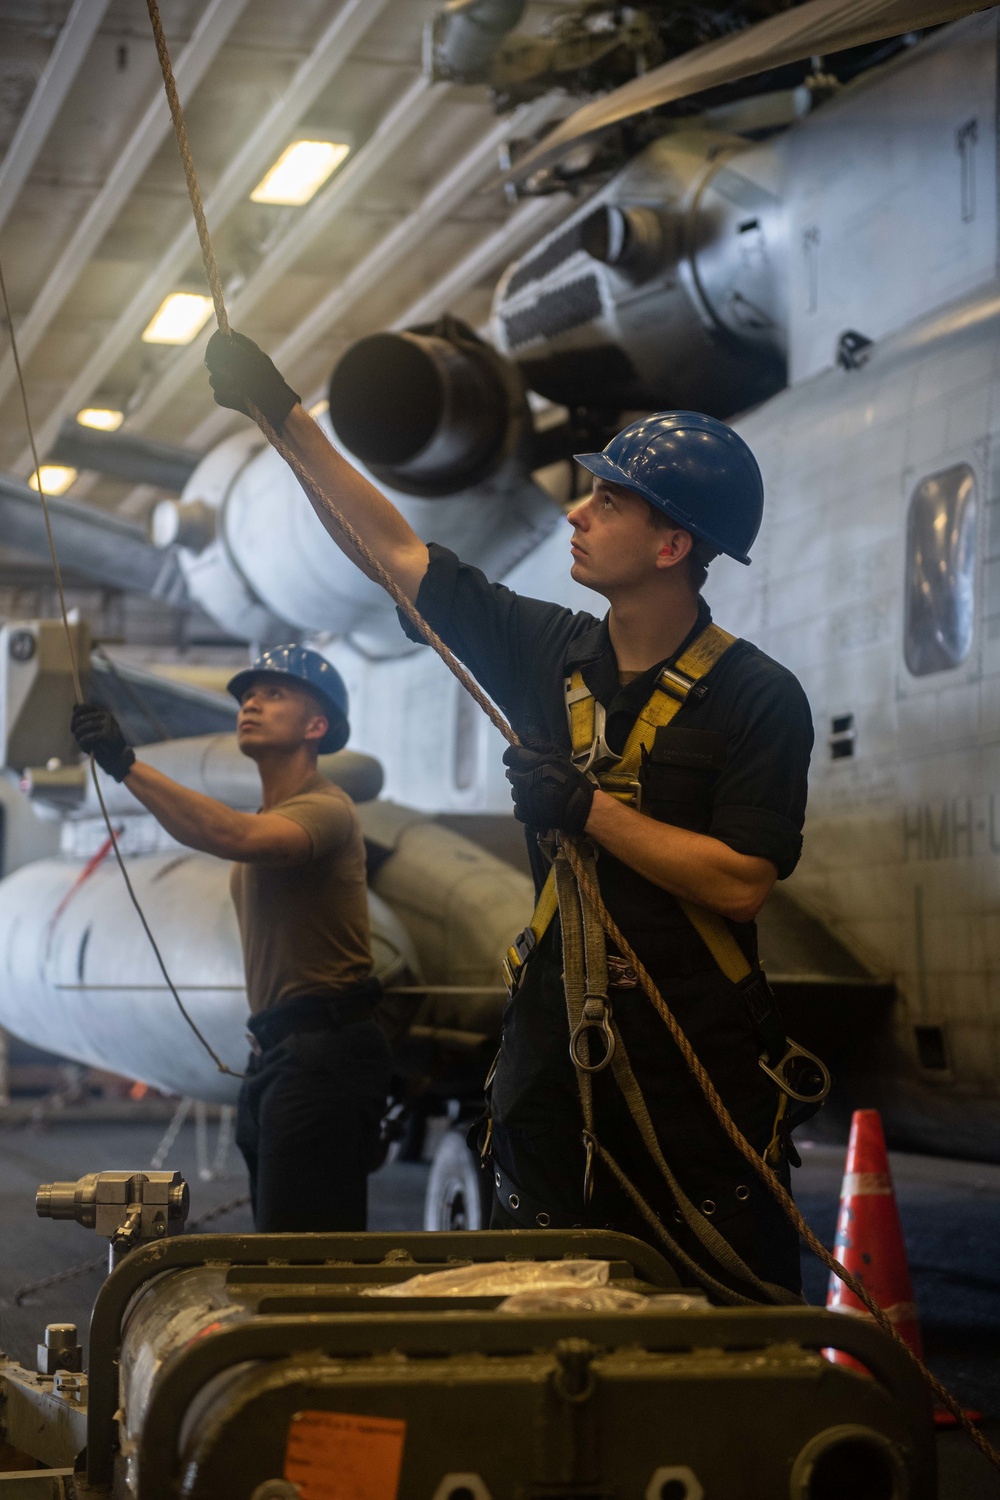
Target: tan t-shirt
point(305, 927)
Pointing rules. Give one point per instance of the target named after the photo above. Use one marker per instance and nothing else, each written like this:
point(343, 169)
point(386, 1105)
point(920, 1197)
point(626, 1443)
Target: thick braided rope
point(187, 162)
point(593, 895)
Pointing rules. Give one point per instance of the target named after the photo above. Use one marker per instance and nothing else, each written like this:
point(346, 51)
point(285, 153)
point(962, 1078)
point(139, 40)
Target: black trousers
point(308, 1120)
point(538, 1148)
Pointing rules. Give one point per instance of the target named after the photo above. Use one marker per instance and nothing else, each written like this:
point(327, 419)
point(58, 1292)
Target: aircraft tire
point(459, 1193)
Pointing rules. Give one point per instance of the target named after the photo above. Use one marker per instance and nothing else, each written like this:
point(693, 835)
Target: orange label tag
point(334, 1455)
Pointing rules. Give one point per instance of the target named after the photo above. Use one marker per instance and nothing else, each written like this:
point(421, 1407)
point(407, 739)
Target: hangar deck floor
point(951, 1214)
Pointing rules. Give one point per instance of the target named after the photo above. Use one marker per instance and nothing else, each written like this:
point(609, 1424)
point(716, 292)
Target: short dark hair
point(701, 554)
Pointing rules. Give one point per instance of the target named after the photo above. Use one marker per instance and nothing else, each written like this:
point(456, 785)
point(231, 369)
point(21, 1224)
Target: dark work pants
point(537, 1122)
point(307, 1124)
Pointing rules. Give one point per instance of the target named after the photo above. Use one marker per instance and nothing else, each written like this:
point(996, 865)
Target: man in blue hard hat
point(682, 754)
point(314, 1094)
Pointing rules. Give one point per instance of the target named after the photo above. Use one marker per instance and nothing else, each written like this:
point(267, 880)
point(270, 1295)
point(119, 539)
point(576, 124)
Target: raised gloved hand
point(241, 375)
point(97, 732)
point(548, 790)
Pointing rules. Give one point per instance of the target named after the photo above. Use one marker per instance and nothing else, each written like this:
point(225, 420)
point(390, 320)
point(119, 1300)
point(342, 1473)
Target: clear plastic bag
point(599, 1299)
point(501, 1278)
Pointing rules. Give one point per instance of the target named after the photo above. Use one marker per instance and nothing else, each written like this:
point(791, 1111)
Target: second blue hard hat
point(695, 469)
point(313, 672)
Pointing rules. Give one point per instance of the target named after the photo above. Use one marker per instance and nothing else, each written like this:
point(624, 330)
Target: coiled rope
point(587, 887)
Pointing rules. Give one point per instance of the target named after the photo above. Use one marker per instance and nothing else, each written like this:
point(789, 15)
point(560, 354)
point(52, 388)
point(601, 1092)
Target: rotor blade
point(102, 547)
point(124, 455)
point(813, 29)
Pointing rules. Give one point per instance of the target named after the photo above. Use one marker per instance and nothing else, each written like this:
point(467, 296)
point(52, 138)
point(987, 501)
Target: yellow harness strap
point(619, 776)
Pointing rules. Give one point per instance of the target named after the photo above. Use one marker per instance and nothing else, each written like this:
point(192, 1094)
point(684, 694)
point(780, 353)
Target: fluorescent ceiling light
point(178, 318)
point(56, 478)
point(101, 417)
point(300, 171)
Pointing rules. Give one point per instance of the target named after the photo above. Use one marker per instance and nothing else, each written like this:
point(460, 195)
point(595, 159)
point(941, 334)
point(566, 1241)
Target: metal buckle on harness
point(813, 1083)
point(623, 788)
point(596, 1017)
point(517, 955)
point(598, 753)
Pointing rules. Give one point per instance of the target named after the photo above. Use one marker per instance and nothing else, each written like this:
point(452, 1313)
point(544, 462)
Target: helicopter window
point(940, 566)
point(932, 1053)
point(841, 736)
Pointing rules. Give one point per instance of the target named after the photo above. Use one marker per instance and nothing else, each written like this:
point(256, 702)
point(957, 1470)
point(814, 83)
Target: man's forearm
point(376, 519)
point(190, 817)
point(689, 865)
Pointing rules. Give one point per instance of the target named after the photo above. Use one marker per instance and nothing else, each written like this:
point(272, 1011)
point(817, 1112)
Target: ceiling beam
point(329, 53)
point(446, 195)
point(217, 20)
point(531, 219)
point(393, 130)
point(71, 47)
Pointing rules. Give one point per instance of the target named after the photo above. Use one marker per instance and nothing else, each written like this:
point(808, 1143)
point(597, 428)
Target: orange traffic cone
point(869, 1238)
point(870, 1244)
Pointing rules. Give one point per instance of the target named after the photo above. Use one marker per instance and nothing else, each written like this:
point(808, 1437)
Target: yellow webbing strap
point(719, 940)
point(671, 688)
point(545, 907)
point(527, 941)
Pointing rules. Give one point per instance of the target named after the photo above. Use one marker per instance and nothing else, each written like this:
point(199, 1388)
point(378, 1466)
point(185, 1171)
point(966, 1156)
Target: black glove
point(96, 731)
point(548, 790)
point(241, 375)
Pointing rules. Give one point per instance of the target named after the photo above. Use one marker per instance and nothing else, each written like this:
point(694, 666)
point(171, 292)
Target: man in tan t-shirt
point(314, 1094)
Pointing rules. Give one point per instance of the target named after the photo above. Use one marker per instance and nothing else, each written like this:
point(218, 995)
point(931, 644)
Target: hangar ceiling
point(95, 227)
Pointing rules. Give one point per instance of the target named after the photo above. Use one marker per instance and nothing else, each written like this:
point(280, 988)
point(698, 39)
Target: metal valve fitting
point(129, 1208)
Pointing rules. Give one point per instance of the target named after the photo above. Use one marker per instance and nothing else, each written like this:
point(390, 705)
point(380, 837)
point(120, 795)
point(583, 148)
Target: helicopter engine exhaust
point(666, 288)
point(429, 410)
point(438, 419)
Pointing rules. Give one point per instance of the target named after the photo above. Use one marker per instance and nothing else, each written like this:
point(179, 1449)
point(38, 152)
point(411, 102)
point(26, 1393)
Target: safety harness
point(801, 1078)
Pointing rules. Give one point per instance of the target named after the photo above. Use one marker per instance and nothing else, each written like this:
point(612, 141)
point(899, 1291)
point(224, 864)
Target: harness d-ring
point(782, 1072)
point(600, 1022)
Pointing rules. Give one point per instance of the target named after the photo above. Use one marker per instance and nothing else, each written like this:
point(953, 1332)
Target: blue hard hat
point(696, 470)
point(315, 673)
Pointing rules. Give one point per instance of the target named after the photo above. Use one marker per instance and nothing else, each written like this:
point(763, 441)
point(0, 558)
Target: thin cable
point(592, 893)
point(78, 690)
point(152, 718)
